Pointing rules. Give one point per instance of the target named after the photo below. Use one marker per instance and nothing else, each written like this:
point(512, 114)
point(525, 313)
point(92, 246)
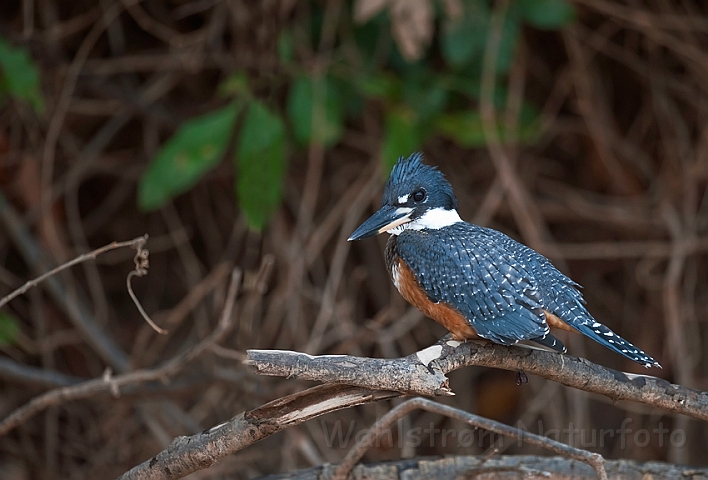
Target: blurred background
point(259, 135)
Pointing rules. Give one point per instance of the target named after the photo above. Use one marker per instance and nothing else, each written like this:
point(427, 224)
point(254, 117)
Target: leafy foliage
point(420, 99)
point(19, 76)
point(465, 128)
point(547, 14)
point(401, 134)
point(260, 164)
point(417, 99)
point(196, 148)
point(463, 39)
point(315, 111)
point(9, 328)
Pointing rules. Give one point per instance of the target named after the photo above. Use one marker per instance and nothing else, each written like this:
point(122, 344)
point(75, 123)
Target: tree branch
point(75, 309)
point(509, 467)
point(595, 460)
point(423, 373)
point(189, 454)
point(354, 381)
point(137, 242)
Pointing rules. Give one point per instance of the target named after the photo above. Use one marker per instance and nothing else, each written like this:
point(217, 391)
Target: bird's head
point(416, 196)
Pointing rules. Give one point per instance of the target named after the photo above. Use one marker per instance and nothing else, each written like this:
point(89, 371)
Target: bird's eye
point(419, 195)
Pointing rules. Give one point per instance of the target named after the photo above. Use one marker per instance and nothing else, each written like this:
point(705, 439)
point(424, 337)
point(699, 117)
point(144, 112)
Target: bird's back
point(506, 291)
point(478, 272)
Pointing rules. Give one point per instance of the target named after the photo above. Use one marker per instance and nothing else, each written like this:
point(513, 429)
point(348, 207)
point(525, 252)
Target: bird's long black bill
point(385, 219)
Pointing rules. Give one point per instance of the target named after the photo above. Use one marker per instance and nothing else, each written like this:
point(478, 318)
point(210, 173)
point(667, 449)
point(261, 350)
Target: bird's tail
point(551, 342)
point(607, 338)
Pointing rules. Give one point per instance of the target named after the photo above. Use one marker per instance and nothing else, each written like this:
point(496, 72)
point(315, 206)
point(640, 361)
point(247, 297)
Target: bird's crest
point(410, 173)
point(407, 167)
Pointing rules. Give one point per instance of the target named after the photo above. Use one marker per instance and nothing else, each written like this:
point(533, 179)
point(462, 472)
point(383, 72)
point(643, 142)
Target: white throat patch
point(433, 219)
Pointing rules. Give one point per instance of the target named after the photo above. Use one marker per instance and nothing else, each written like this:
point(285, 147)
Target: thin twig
point(73, 306)
point(522, 205)
point(107, 383)
point(142, 263)
point(137, 242)
point(142, 355)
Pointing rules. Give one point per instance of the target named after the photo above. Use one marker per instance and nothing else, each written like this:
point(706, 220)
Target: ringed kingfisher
point(476, 281)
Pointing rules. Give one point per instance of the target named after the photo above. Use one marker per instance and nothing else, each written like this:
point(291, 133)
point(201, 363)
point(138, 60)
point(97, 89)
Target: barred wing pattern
point(501, 286)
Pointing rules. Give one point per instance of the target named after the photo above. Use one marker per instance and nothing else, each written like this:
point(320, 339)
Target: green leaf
point(402, 136)
point(19, 76)
point(382, 85)
point(286, 46)
point(547, 14)
point(9, 327)
point(373, 40)
point(464, 128)
point(315, 99)
point(196, 147)
point(463, 39)
point(260, 164)
point(235, 84)
point(529, 125)
point(350, 97)
point(511, 33)
point(425, 97)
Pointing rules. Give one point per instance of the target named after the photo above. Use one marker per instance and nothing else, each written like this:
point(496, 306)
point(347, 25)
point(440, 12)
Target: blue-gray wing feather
point(501, 286)
point(474, 270)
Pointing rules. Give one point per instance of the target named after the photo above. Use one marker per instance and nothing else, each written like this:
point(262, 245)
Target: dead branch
point(189, 454)
point(423, 373)
point(376, 379)
point(76, 310)
point(508, 467)
point(595, 460)
point(137, 243)
point(108, 383)
point(357, 380)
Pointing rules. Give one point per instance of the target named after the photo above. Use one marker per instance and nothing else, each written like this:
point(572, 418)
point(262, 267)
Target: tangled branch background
point(581, 132)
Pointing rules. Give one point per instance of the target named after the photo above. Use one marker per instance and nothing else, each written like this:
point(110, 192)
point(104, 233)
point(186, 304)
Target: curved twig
point(137, 243)
point(108, 383)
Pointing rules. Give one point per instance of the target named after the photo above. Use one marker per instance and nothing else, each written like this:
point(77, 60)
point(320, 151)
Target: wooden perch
point(423, 373)
point(351, 381)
